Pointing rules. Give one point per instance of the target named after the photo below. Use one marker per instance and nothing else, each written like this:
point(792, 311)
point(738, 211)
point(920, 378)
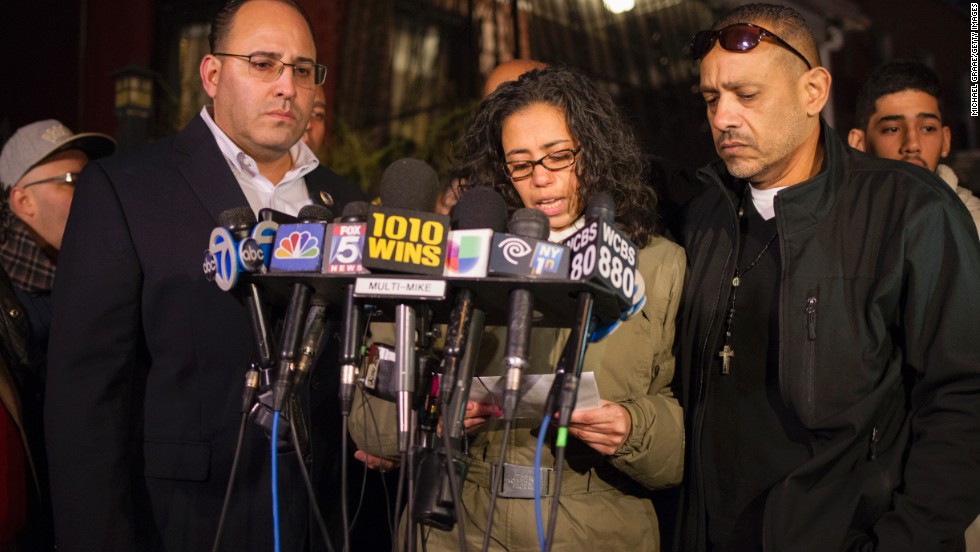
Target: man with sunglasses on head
point(147, 358)
point(830, 360)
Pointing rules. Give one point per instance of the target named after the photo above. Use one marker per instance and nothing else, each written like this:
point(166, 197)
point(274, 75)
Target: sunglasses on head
point(740, 37)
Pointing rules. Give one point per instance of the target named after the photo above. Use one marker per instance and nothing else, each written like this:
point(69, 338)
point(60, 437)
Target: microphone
point(299, 245)
point(225, 255)
point(230, 249)
point(272, 215)
point(410, 184)
point(526, 256)
point(346, 241)
point(533, 224)
point(479, 213)
point(312, 337)
point(302, 238)
point(602, 254)
point(264, 233)
point(403, 235)
point(344, 256)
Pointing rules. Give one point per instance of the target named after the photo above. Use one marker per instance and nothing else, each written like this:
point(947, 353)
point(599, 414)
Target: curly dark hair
point(610, 159)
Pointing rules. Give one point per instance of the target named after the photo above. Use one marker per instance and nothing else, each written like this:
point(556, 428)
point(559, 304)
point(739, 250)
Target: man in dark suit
point(146, 356)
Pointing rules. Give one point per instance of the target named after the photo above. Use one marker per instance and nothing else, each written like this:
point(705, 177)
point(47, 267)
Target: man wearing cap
point(38, 168)
point(147, 358)
point(828, 339)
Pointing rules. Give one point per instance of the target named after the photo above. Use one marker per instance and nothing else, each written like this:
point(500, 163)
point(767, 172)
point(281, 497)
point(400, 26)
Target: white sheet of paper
point(533, 392)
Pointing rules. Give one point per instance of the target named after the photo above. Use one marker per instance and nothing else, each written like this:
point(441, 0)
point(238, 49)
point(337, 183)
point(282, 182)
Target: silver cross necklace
point(727, 353)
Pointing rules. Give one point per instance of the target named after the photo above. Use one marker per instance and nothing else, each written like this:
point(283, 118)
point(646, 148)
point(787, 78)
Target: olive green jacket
point(602, 499)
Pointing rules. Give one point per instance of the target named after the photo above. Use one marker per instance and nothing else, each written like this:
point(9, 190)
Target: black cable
point(398, 499)
point(553, 514)
point(343, 482)
point(412, 468)
point(566, 402)
point(248, 397)
point(231, 481)
point(454, 484)
point(306, 478)
point(498, 470)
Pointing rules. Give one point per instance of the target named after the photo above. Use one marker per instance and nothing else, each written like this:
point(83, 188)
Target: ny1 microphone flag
point(513, 255)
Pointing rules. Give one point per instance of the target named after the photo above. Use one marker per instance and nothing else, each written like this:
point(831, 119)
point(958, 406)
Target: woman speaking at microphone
point(550, 141)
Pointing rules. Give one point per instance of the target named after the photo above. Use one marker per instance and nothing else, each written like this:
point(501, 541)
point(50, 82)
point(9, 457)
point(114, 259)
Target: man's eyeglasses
point(740, 37)
point(554, 161)
point(267, 69)
point(67, 178)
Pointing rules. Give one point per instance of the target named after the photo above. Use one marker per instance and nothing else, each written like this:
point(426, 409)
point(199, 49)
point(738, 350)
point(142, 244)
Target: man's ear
point(946, 142)
point(210, 69)
point(21, 203)
point(817, 90)
point(855, 139)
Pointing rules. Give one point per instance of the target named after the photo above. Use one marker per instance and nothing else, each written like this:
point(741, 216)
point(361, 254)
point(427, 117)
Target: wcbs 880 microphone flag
point(602, 254)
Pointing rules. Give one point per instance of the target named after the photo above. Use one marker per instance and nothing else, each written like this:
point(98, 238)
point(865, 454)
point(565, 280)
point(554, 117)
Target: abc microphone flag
point(230, 249)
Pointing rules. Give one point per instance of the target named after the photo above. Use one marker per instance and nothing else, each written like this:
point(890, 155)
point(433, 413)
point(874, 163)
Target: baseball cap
point(33, 144)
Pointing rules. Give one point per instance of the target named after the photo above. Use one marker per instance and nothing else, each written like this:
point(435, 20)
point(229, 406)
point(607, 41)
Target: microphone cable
point(403, 462)
point(454, 483)
point(343, 483)
point(318, 515)
point(537, 480)
point(495, 484)
point(276, 544)
point(569, 392)
point(248, 397)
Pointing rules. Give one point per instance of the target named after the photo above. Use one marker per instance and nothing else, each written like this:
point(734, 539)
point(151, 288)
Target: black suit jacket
point(147, 360)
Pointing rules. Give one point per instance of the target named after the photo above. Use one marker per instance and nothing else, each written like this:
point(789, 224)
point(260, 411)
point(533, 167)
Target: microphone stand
point(566, 400)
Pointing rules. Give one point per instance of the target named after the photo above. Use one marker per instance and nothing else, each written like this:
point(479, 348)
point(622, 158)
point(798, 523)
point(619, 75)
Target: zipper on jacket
point(873, 444)
point(810, 348)
point(811, 318)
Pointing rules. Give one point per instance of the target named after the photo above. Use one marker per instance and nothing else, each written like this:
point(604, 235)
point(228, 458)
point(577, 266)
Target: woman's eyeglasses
point(554, 161)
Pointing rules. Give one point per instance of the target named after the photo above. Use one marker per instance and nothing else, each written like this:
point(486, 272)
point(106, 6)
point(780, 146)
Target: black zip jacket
point(879, 353)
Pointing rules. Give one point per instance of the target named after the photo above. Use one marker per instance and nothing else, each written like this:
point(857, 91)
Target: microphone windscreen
point(601, 207)
point(479, 208)
point(530, 223)
point(278, 217)
point(315, 213)
point(237, 217)
point(355, 211)
point(410, 184)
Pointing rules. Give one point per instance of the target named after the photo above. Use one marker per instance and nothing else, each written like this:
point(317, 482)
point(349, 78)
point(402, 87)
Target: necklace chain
point(727, 353)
